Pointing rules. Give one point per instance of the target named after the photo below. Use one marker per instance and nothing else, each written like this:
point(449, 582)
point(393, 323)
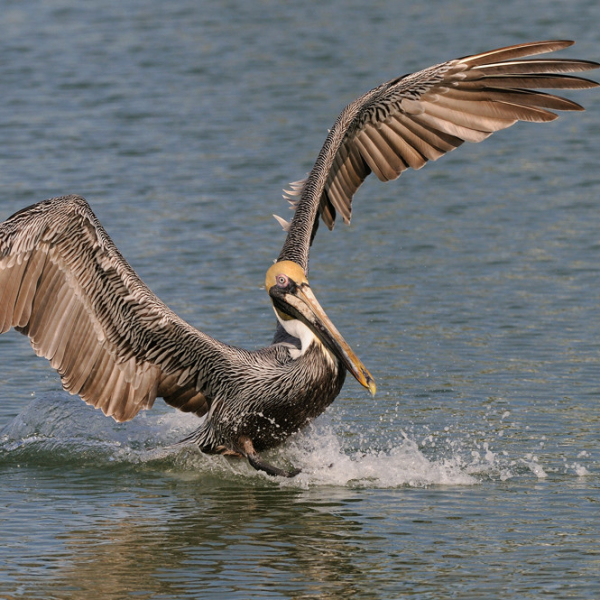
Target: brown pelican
point(115, 344)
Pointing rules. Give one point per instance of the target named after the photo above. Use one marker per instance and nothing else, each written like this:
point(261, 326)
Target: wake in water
point(59, 428)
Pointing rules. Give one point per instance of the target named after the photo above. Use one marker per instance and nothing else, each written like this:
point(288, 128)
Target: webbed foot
point(247, 449)
point(260, 465)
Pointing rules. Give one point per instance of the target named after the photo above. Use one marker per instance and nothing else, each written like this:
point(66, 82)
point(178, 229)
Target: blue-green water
point(470, 290)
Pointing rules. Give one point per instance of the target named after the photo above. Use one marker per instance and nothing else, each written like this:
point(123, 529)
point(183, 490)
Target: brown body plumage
point(65, 285)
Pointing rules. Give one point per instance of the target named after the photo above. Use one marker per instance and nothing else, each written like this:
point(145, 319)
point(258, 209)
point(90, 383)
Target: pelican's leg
point(247, 449)
point(225, 451)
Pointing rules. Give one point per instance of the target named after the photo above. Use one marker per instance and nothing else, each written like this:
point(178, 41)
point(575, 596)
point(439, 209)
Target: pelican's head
point(301, 316)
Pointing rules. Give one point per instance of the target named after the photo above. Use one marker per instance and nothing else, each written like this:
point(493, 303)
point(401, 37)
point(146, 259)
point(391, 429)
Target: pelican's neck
point(301, 332)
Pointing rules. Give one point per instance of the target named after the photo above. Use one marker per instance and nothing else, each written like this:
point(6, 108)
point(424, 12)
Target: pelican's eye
point(282, 281)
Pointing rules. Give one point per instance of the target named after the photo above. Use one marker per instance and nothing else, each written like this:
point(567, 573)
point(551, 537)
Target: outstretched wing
point(416, 118)
point(65, 285)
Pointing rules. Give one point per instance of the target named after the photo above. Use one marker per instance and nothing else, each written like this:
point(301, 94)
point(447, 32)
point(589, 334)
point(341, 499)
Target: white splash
point(531, 462)
point(59, 427)
point(323, 461)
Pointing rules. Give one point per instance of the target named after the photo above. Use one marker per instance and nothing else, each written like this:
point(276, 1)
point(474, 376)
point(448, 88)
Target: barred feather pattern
point(410, 120)
point(64, 284)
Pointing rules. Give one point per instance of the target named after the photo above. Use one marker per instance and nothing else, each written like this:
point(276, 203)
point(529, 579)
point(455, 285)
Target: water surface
point(469, 289)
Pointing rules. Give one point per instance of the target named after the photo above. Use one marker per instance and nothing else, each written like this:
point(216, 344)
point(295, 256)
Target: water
point(469, 290)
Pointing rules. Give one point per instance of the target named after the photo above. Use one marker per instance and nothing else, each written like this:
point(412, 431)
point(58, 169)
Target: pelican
point(64, 284)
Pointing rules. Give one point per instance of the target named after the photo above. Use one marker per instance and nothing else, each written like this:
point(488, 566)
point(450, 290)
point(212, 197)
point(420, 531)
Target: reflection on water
point(212, 536)
point(232, 522)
